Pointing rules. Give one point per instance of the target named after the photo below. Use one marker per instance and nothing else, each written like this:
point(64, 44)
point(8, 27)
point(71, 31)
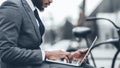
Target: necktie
point(41, 26)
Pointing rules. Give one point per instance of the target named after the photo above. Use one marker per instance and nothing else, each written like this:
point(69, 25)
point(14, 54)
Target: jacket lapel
point(32, 17)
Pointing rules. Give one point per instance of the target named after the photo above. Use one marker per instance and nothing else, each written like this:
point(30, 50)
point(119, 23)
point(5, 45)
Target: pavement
point(103, 58)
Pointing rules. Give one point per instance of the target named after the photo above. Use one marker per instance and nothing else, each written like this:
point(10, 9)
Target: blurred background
point(62, 16)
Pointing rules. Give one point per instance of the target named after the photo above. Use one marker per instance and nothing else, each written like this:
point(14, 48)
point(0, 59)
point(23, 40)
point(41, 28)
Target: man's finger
point(67, 59)
point(84, 51)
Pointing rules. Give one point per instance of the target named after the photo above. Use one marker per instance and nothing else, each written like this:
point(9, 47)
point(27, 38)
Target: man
point(21, 33)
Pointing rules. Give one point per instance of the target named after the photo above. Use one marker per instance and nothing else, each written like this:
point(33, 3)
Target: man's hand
point(78, 55)
point(57, 55)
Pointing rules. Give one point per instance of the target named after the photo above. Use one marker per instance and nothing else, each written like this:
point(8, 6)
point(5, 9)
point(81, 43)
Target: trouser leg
point(85, 65)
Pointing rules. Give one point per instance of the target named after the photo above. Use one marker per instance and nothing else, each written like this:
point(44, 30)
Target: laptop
point(74, 63)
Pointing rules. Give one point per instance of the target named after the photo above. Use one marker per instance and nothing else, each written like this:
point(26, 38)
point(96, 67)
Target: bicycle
point(114, 42)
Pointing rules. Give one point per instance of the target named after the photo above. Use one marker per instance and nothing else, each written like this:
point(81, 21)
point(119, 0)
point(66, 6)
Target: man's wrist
point(47, 54)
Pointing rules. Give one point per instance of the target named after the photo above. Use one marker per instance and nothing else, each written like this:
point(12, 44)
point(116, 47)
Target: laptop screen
point(88, 52)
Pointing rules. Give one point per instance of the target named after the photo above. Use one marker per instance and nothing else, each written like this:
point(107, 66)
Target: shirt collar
point(31, 4)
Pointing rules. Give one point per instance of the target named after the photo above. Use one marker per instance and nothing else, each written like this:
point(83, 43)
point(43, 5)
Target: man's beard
point(38, 4)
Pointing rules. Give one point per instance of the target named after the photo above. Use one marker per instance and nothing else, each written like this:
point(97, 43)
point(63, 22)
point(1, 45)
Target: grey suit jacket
point(19, 36)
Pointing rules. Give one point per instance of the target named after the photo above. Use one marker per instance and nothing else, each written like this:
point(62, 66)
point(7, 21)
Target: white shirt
point(33, 9)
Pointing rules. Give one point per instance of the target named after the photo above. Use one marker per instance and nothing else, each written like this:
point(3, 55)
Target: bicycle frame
point(114, 42)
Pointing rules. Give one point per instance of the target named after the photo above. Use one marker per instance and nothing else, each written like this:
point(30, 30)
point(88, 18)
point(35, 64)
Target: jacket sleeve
point(10, 22)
